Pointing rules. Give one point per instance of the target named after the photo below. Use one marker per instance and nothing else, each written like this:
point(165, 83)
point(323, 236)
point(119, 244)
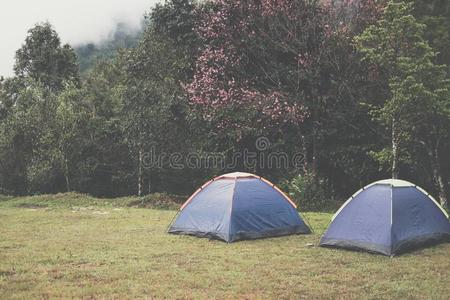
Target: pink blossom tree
point(268, 64)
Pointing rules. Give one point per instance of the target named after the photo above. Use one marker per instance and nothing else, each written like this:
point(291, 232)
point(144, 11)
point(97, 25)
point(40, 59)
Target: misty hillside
point(121, 37)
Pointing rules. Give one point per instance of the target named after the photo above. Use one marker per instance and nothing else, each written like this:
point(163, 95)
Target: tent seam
point(231, 207)
point(392, 219)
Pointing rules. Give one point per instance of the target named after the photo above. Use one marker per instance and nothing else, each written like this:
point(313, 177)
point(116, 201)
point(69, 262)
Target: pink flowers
point(280, 111)
point(222, 88)
point(259, 56)
point(304, 59)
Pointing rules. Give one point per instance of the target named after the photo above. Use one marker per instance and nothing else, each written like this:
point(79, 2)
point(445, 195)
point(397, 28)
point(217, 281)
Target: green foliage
point(419, 89)
point(155, 110)
point(309, 192)
point(105, 168)
point(43, 58)
point(435, 14)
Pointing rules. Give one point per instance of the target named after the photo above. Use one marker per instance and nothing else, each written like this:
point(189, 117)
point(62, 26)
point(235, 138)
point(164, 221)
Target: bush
point(4, 197)
point(309, 192)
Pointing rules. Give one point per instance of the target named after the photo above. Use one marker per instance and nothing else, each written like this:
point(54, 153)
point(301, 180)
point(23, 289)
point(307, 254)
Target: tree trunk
point(442, 189)
point(314, 152)
point(149, 186)
point(140, 172)
point(439, 179)
point(305, 154)
point(315, 156)
point(394, 149)
point(66, 174)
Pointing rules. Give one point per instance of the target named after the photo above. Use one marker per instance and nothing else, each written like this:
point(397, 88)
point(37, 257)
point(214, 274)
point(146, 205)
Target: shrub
point(309, 192)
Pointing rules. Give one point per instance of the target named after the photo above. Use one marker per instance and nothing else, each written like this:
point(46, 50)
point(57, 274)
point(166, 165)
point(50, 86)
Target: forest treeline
point(360, 88)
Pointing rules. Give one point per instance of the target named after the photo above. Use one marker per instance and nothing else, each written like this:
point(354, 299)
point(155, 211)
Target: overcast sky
point(76, 21)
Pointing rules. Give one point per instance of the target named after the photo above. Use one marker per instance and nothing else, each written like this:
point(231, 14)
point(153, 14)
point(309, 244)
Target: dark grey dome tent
point(238, 206)
point(388, 217)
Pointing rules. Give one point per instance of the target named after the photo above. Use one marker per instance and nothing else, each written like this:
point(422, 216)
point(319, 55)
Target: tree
point(31, 146)
point(45, 60)
point(418, 88)
point(436, 15)
point(154, 107)
point(54, 120)
point(258, 70)
point(106, 163)
point(284, 69)
point(15, 138)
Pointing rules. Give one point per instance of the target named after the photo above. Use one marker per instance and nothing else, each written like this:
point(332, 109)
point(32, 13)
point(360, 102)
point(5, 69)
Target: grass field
point(76, 246)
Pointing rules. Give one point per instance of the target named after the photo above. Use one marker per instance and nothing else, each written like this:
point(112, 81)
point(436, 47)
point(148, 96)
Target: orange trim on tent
point(195, 194)
point(226, 176)
point(280, 191)
point(201, 188)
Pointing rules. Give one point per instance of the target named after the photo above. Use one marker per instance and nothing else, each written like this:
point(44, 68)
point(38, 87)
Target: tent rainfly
point(388, 217)
point(238, 206)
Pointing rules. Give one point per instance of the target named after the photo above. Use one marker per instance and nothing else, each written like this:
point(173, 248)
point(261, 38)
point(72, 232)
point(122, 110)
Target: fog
point(76, 21)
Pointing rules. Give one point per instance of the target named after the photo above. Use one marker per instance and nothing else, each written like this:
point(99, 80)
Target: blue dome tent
point(388, 217)
point(238, 206)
